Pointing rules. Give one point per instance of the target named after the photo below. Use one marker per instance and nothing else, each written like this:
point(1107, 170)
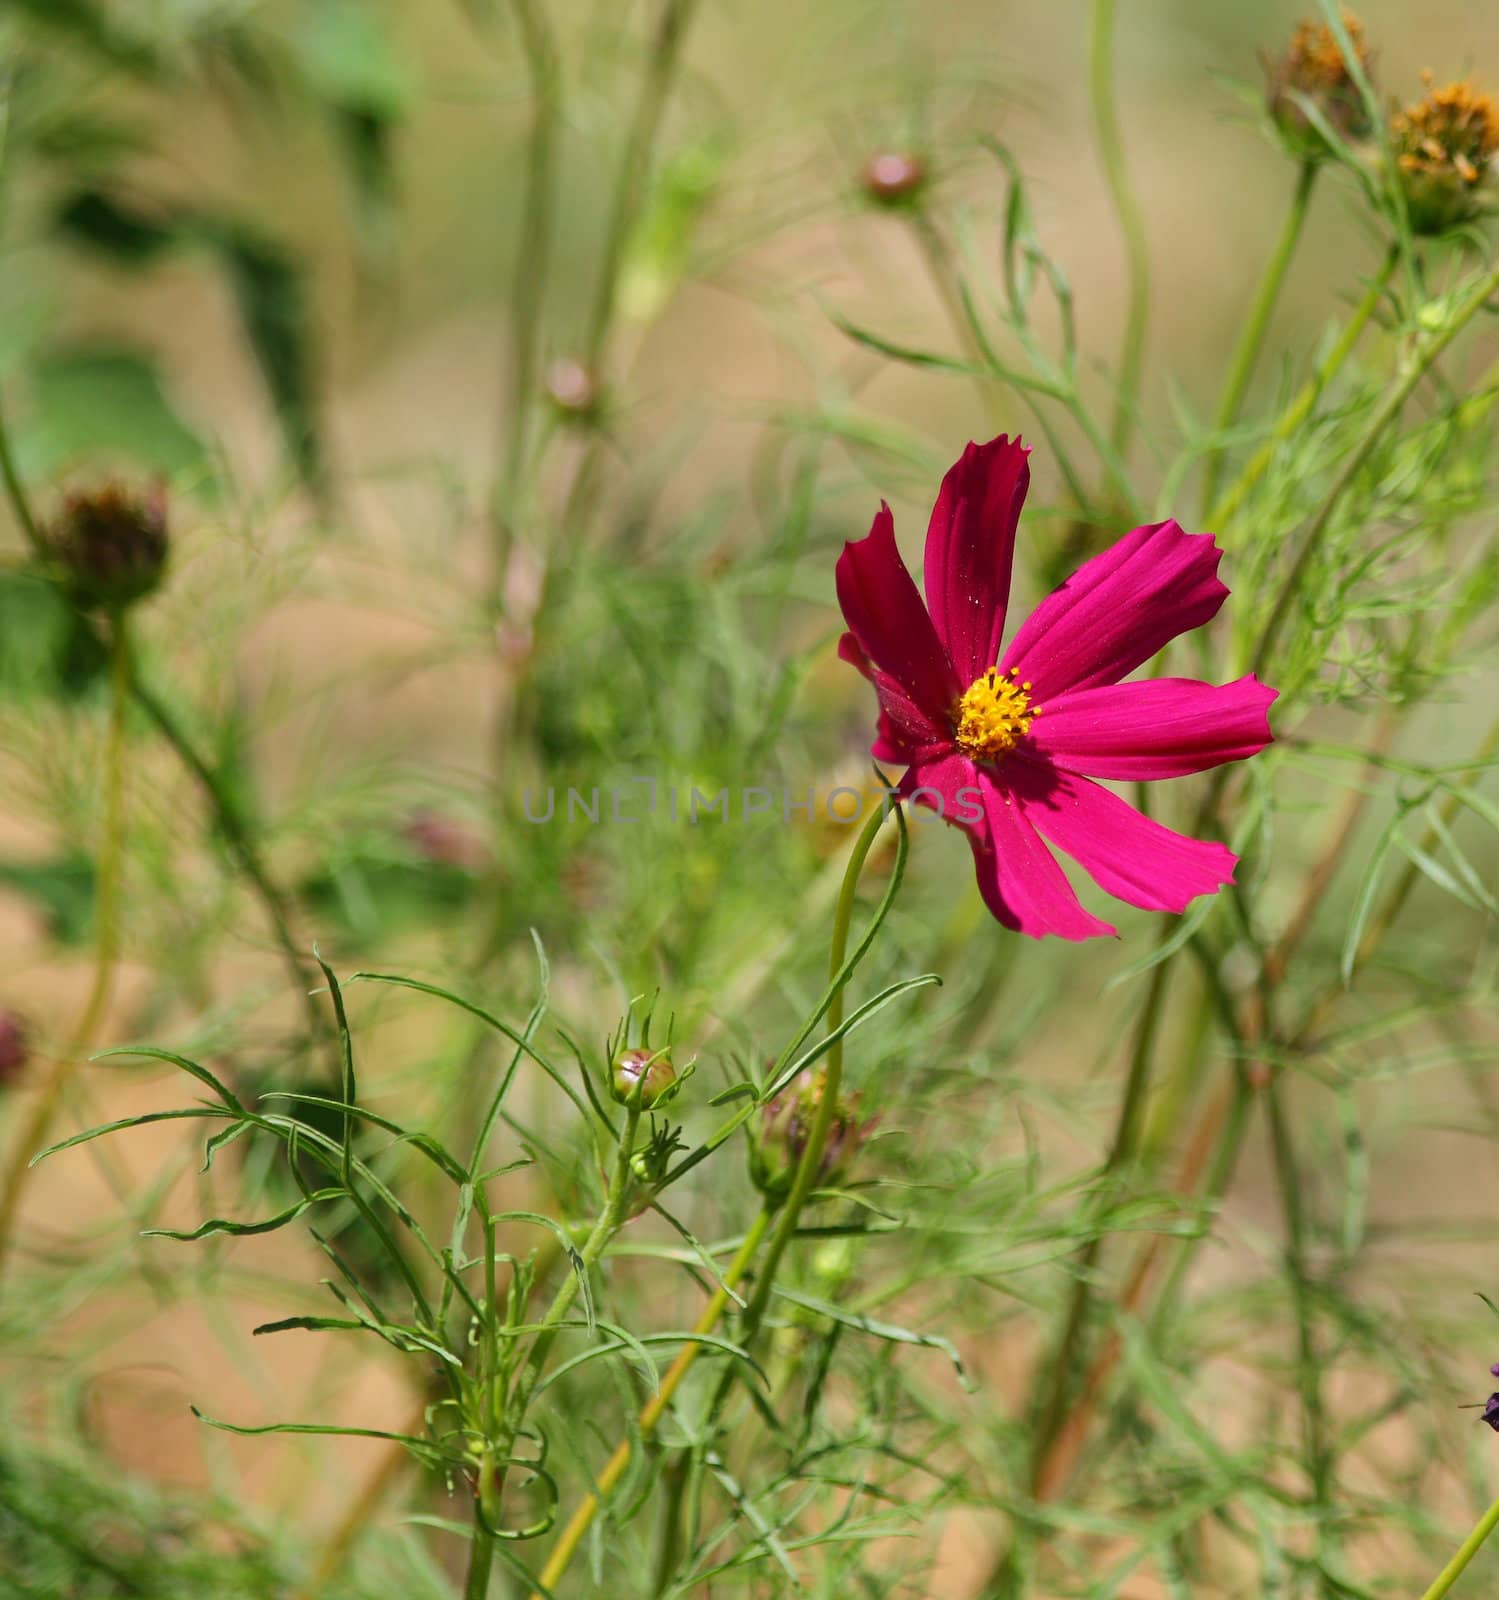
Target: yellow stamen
point(994, 713)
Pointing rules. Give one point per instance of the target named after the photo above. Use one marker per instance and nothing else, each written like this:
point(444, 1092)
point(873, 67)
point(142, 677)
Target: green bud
point(786, 1126)
point(644, 1077)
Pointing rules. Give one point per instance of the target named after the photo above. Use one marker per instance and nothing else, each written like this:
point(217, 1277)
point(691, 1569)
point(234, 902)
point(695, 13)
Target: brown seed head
point(112, 543)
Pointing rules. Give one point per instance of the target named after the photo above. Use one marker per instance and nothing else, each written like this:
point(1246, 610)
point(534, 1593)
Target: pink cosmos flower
point(1006, 747)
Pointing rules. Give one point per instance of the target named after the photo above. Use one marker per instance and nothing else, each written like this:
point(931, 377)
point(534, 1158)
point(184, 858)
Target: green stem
point(492, 1468)
point(610, 1220)
point(106, 942)
point(1311, 391)
point(1393, 903)
point(1131, 220)
point(1288, 1180)
point(1468, 1549)
point(236, 832)
point(989, 383)
point(231, 822)
point(19, 501)
point(1225, 1159)
point(1122, 1151)
point(635, 168)
point(809, 1167)
point(528, 284)
point(1428, 348)
point(654, 1409)
point(1246, 353)
point(669, 1534)
point(480, 1559)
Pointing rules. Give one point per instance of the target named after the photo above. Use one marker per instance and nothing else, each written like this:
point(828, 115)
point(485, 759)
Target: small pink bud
point(445, 841)
point(574, 390)
point(894, 177)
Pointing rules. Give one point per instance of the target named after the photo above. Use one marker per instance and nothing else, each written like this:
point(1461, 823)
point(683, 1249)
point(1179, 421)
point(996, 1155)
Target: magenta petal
point(884, 611)
point(906, 733)
point(1158, 728)
point(1129, 855)
point(970, 548)
point(1118, 609)
point(1019, 878)
point(888, 744)
point(1017, 875)
point(947, 783)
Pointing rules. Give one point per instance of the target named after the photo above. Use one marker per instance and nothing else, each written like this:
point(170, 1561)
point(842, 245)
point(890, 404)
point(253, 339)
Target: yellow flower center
point(994, 713)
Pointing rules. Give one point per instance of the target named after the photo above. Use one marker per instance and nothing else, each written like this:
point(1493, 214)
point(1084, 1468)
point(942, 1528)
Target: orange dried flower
point(1314, 69)
point(1445, 147)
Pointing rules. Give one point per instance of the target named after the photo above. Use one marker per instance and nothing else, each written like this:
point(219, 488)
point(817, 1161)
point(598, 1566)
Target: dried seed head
point(1313, 68)
point(894, 177)
point(1445, 148)
point(111, 543)
point(646, 1073)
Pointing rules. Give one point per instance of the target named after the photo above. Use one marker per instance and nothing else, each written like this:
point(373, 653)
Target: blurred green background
point(268, 251)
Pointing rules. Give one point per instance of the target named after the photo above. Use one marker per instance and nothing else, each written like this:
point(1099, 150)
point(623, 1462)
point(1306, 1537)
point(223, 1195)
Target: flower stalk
point(1131, 221)
point(1465, 1553)
point(110, 863)
point(1252, 338)
point(655, 1408)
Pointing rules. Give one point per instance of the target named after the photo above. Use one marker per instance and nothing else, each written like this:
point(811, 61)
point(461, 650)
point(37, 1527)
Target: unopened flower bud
point(445, 841)
point(785, 1128)
point(646, 1073)
point(573, 389)
point(1313, 67)
point(111, 543)
point(1445, 148)
point(894, 177)
point(15, 1047)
